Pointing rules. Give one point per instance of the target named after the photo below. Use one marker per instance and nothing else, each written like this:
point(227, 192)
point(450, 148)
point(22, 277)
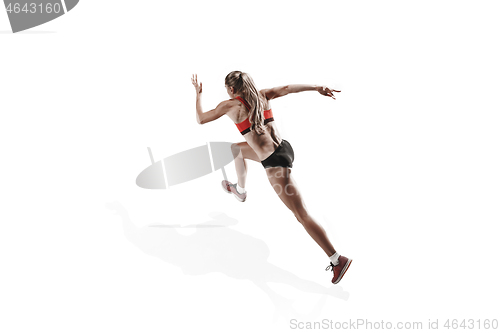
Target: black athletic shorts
point(282, 157)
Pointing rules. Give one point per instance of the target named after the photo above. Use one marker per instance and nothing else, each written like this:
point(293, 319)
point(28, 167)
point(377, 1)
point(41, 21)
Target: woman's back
point(263, 144)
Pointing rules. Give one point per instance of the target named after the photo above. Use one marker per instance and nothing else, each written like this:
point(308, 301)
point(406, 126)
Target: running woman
point(251, 112)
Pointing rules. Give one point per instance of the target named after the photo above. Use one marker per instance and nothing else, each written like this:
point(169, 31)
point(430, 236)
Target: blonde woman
point(251, 112)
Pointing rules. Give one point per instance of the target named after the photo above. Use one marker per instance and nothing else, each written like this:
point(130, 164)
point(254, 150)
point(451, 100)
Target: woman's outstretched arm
point(295, 88)
point(205, 117)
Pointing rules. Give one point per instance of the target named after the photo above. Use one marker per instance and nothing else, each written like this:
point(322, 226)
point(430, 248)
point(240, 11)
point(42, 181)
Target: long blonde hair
point(243, 84)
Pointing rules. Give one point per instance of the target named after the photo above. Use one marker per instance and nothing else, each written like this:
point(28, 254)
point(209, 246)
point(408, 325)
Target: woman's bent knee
point(235, 149)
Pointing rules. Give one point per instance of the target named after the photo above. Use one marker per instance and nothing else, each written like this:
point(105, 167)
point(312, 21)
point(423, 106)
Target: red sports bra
point(244, 126)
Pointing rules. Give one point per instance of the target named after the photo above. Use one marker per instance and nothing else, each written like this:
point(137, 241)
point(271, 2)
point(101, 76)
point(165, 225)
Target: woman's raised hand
point(323, 90)
point(194, 80)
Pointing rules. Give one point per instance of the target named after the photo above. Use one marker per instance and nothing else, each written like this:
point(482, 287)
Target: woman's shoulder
point(263, 94)
point(267, 102)
point(234, 108)
point(230, 103)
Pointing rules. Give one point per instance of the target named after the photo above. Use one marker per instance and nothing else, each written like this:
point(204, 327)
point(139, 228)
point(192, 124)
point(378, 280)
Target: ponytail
point(243, 83)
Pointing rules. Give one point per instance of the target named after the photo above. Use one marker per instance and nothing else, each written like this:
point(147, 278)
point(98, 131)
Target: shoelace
point(329, 266)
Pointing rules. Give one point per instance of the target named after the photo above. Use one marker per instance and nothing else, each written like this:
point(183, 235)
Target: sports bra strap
point(244, 102)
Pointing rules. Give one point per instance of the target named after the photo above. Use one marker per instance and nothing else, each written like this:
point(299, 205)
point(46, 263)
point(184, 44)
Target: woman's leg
point(286, 188)
point(241, 152)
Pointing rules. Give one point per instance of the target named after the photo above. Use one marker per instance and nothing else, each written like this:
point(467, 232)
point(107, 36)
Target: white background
point(401, 170)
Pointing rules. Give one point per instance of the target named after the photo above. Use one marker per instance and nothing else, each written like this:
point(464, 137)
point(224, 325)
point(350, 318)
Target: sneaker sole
point(238, 198)
point(348, 263)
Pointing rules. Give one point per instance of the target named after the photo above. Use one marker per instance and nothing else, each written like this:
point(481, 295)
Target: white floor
point(401, 170)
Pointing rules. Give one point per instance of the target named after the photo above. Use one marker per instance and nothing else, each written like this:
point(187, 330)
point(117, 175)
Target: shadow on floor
point(216, 247)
